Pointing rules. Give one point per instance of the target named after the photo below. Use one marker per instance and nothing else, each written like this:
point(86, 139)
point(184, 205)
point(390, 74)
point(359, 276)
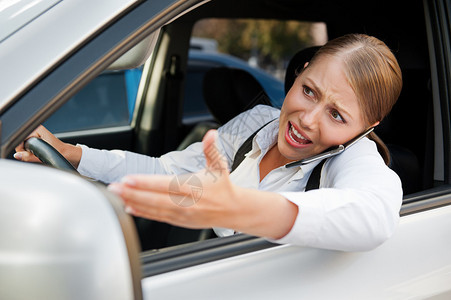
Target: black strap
point(245, 148)
point(313, 181)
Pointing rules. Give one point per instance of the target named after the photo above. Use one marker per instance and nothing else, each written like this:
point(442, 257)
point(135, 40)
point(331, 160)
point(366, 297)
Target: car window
point(107, 101)
point(266, 45)
point(259, 47)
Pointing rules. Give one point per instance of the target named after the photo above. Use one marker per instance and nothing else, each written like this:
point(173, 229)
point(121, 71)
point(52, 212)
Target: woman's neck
point(272, 160)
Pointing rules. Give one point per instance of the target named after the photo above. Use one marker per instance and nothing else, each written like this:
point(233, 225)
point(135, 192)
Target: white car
point(65, 237)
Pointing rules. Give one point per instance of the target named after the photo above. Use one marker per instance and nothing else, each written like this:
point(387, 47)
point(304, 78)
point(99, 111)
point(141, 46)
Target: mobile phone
point(331, 152)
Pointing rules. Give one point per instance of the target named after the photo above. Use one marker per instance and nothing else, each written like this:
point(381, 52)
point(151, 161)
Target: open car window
point(109, 100)
point(136, 98)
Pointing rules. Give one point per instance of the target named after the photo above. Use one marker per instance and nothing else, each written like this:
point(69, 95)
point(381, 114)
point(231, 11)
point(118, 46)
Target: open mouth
point(295, 138)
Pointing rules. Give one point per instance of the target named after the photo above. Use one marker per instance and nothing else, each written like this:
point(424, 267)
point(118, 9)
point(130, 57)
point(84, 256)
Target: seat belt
point(245, 148)
point(315, 176)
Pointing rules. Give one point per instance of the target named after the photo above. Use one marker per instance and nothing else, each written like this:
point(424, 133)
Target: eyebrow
point(342, 110)
point(334, 102)
point(315, 87)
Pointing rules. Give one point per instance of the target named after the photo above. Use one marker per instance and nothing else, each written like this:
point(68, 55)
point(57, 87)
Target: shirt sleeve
point(111, 165)
point(355, 209)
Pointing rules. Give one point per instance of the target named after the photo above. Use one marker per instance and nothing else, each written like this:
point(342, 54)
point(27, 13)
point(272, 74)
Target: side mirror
point(63, 237)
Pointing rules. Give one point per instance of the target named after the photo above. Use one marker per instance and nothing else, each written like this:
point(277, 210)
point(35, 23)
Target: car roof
point(16, 14)
point(32, 42)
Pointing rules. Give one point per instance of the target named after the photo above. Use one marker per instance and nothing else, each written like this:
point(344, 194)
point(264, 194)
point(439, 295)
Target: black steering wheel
point(47, 154)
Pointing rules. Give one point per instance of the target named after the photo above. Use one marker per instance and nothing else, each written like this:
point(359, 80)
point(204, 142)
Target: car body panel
point(16, 14)
point(29, 59)
point(401, 268)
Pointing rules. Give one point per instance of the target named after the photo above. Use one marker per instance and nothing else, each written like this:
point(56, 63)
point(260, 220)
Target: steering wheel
point(47, 154)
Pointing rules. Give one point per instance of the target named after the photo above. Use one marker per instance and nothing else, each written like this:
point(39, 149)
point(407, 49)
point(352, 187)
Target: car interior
point(156, 127)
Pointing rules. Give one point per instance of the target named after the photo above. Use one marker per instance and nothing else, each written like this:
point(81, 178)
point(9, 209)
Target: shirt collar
point(266, 137)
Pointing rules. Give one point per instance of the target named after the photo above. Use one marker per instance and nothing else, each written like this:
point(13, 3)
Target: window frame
point(76, 70)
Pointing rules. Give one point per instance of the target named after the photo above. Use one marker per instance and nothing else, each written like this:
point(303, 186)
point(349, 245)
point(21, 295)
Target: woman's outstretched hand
point(194, 200)
point(207, 199)
point(70, 152)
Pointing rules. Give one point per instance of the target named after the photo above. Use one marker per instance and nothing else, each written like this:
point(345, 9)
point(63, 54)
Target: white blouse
point(356, 207)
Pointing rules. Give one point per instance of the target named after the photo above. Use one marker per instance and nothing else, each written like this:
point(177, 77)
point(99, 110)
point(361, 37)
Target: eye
point(336, 116)
point(308, 91)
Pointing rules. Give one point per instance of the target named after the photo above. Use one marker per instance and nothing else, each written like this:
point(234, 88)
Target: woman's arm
point(207, 199)
point(356, 210)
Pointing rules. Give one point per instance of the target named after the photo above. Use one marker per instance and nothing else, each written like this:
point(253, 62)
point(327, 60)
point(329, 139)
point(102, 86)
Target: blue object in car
point(273, 86)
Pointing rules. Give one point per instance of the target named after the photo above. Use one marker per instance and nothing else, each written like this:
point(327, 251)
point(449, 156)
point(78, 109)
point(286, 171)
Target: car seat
point(230, 91)
point(296, 64)
point(403, 161)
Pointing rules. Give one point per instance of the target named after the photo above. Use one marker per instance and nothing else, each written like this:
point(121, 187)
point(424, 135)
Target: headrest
point(297, 63)
point(229, 91)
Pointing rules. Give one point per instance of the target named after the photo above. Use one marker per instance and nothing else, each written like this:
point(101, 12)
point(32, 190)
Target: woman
point(348, 87)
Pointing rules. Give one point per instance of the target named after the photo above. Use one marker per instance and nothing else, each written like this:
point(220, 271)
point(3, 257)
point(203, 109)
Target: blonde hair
point(372, 72)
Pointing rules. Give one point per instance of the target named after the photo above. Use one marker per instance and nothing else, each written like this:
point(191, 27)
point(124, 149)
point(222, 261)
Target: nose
point(309, 116)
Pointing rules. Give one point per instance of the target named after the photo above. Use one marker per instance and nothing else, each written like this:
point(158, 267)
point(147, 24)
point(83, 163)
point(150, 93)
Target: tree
point(271, 41)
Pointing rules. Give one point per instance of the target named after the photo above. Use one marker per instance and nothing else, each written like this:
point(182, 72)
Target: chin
point(289, 153)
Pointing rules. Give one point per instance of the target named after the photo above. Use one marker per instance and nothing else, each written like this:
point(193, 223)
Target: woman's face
point(319, 111)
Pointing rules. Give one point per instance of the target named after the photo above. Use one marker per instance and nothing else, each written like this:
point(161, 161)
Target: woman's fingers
point(183, 190)
point(70, 152)
point(26, 156)
point(215, 160)
point(40, 132)
point(189, 184)
point(159, 206)
point(157, 183)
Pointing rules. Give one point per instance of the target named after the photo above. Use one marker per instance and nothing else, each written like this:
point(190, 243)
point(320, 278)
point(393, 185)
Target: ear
point(375, 124)
point(305, 65)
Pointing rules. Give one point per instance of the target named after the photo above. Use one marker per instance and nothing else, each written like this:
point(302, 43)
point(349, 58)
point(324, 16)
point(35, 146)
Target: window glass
point(261, 47)
point(107, 101)
point(263, 44)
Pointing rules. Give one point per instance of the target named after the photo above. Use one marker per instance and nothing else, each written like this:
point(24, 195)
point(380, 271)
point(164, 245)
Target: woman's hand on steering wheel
point(41, 152)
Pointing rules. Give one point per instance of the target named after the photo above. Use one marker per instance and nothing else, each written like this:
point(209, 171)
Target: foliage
point(270, 40)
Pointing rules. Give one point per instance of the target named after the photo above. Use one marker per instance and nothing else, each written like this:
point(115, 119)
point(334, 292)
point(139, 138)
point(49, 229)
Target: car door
point(413, 263)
